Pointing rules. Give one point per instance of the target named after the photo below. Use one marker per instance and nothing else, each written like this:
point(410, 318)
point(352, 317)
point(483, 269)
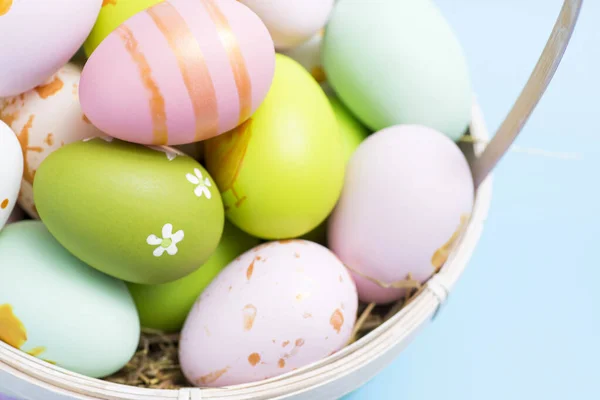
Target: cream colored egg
point(45, 119)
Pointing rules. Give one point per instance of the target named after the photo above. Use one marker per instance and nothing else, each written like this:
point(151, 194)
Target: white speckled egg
point(279, 306)
point(11, 171)
point(38, 37)
point(291, 22)
point(45, 119)
point(408, 192)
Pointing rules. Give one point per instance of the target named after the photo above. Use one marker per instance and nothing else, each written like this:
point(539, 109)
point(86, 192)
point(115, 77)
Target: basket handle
point(532, 92)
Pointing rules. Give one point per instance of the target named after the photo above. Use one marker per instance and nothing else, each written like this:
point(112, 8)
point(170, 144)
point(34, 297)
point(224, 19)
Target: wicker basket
point(28, 378)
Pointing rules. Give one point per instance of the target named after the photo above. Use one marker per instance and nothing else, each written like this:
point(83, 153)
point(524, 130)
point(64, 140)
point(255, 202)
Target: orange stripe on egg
point(192, 66)
point(157, 102)
point(236, 58)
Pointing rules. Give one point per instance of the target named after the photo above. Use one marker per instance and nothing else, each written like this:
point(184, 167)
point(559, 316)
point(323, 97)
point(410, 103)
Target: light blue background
point(524, 320)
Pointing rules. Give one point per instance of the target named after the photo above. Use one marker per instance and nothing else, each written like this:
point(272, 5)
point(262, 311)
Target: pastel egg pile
point(243, 172)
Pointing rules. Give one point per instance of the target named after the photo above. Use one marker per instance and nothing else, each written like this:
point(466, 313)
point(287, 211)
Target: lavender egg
point(278, 307)
point(408, 191)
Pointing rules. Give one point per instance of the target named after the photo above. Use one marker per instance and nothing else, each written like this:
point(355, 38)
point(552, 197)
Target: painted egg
point(39, 37)
point(308, 54)
point(353, 133)
point(280, 306)
point(420, 77)
point(11, 172)
point(282, 171)
point(185, 71)
point(292, 22)
point(56, 308)
point(165, 307)
point(112, 14)
point(140, 214)
point(424, 191)
point(16, 215)
point(45, 119)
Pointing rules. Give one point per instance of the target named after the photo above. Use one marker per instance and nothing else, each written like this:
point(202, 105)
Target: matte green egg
point(398, 62)
point(281, 172)
point(60, 310)
point(165, 307)
point(141, 214)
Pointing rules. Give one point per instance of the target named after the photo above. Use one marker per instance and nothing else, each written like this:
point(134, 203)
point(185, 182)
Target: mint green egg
point(56, 308)
point(166, 306)
point(142, 214)
point(398, 62)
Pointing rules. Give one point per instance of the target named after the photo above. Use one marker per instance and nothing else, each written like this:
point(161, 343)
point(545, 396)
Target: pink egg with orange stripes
point(179, 72)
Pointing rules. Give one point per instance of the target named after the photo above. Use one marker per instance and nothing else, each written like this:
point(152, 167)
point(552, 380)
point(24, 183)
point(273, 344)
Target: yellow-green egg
point(281, 172)
point(165, 307)
point(112, 14)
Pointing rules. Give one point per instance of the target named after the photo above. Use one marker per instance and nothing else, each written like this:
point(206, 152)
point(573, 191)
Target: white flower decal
point(203, 183)
point(171, 153)
point(168, 242)
point(108, 139)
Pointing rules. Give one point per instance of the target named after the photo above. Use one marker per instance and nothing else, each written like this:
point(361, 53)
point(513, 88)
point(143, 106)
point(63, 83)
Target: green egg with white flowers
point(142, 214)
point(58, 309)
point(165, 307)
point(281, 172)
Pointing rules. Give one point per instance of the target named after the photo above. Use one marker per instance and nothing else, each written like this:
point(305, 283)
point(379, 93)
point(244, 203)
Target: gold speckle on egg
point(49, 139)
point(23, 137)
point(249, 313)
point(299, 342)
point(281, 363)
point(307, 315)
point(303, 295)
point(337, 320)
point(5, 6)
point(212, 377)
point(109, 2)
point(250, 269)
point(254, 359)
point(12, 331)
point(50, 89)
point(4, 204)
point(285, 343)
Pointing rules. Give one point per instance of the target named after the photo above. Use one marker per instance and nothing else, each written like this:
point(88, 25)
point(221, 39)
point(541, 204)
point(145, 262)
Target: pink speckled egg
point(45, 119)
point(408, 190)
point(279, 306)
point(179, 72)
point(39, 37)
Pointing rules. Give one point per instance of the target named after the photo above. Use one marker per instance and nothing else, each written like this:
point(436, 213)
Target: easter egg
point(424, 194)
point(39, 37)
point(280, 306)
point(112, 14)
point(281, 172)
point(45, 119)
point(141, 214)
point(308, 54)
point(56, 308)
point(292, 22)
point(11, 172)
point(165, 307)
point(398, 63)
point(184, 71)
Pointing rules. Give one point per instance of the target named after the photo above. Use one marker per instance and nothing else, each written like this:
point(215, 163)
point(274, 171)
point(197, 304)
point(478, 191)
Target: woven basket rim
point(397, 330)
